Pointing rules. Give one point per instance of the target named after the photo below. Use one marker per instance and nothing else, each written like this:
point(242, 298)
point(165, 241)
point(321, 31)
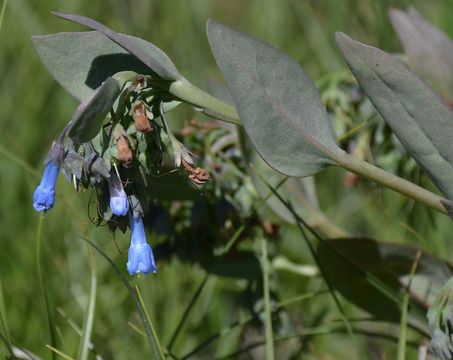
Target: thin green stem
point(4, 323)
point(88, 322)
point(209, 104)
point(53, 337)
point(391, 181)
point(267, 302)
point(56, 351)
point(403, 322)
point(187, 312)
point(2, 13)
point(226, 330)
point(148, 318)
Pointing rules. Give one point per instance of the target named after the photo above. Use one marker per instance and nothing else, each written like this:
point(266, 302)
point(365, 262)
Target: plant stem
point(391, 181)
point(267, 302)
point(210, 104)
point(223, 111)
point(403, 321)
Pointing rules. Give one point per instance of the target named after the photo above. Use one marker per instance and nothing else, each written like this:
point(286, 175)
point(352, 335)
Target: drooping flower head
point(140, 256)
point(118, 198)
point(44, 195)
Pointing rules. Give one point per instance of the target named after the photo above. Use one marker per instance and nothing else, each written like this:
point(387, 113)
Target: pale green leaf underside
point(299, 192)
point(146, 52)
point(429, 50)
point(277, 102)
point(417, 115)
point(90, 114)
point(81, 61)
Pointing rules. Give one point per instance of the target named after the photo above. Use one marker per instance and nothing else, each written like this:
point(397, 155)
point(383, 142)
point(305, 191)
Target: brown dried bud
point(124, 152)
point(197, 175)
point(142, 123)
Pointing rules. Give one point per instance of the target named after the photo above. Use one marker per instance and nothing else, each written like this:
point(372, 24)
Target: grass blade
point(84, 346)
point(153, 331)
point(267, 303)
point(226, 330)
point(146, 324)
point(187, 312)
point(403, 323)
point(53, 335)
point(6, 337)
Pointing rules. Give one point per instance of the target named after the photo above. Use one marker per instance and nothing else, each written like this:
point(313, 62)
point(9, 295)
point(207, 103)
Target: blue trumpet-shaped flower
point(118, 198)
point(140, 257)
point(44, 195)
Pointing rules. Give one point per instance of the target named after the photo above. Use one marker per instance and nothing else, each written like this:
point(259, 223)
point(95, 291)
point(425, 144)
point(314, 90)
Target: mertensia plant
point(117, 137)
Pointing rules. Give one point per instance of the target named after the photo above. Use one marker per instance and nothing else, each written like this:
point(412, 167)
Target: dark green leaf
point(90, 114)
point(277, 102)
point(417, 115)
point(245, 265)
point(391, 264)
point(429, 50)
point(146, 52)
point(81, 61)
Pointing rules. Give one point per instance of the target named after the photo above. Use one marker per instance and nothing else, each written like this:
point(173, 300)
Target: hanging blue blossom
point(118, 198)
point(44, 195)
point(140, 257)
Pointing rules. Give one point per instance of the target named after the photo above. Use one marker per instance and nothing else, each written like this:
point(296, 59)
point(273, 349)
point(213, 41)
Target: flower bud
point(124, 152)
point(141, 120)
point(118, 198)
point(44, 195)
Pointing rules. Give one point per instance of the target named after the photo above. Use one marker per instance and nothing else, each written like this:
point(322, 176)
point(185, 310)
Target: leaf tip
point(342, 39)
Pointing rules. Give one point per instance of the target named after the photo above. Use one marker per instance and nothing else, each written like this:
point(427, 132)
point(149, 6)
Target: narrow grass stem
point(403, 322)
point(267, 302)
point(53, 337)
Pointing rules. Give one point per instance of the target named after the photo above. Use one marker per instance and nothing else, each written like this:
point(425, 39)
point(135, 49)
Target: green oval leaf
point(429, 50)
point(146, 52)
point(81, 61)
point(346, 263)
point(299, 192)
point(277, 102)
point(418, 116)
point(90, 114)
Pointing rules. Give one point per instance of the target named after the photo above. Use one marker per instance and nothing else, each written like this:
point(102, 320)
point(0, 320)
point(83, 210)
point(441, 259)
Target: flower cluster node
point(138, 83)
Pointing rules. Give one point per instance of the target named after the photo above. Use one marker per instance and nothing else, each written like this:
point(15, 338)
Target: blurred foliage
point(189, 235)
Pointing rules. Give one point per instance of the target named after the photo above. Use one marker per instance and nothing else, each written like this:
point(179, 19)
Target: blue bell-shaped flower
point(44, 195)
point(140, 257)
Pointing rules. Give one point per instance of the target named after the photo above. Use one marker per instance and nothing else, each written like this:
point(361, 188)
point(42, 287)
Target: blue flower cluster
point(140, 256)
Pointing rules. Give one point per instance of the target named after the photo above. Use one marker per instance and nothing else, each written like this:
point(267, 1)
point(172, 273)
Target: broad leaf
point(90, 114)
point(146, 52)
point(300, 192)
point(277, 102)
point(429, 50)
point(418, 116)
point(390, 263)
point(81, 61)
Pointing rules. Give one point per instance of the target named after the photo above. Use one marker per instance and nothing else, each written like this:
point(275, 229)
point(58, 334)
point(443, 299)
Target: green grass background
point(34, 109)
